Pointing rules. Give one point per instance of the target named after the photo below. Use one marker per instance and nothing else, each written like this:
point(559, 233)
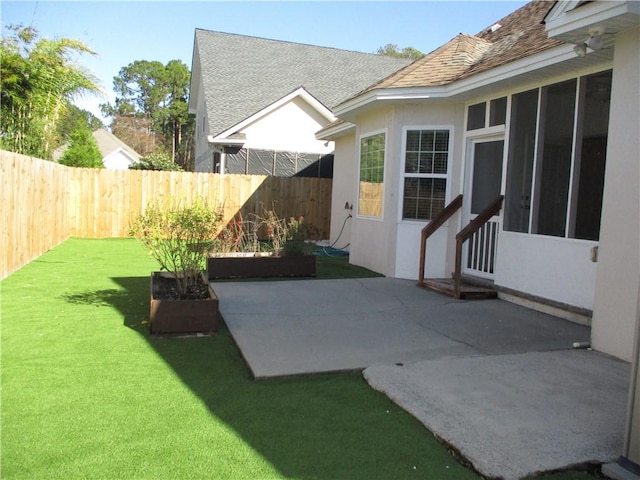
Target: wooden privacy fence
point(43, 203)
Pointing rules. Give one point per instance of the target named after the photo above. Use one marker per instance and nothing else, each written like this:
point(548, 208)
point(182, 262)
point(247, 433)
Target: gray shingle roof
point(242, 75)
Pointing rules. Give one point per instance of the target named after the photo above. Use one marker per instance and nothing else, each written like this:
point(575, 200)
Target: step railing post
point(464, 234)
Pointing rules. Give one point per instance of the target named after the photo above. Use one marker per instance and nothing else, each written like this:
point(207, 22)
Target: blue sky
point(122, 32)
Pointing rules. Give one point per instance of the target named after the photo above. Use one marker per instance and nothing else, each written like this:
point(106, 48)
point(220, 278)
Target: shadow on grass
point(323, 426)
point(131, 300)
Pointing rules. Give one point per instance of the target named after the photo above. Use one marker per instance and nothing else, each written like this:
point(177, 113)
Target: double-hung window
point(371, 188)
point(426, 161)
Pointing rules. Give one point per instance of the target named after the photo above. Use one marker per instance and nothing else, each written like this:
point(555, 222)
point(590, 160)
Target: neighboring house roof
point(242, 75)
point(516, 36)
point(108, 144)
point(232, 133)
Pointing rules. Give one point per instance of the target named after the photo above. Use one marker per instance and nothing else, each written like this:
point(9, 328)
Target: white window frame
point(574, 172)
point(403, 174)
point(372, 133)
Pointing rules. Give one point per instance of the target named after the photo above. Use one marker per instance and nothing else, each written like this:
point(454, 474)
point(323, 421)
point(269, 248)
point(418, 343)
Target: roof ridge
point(462, 51)
point(289, 42)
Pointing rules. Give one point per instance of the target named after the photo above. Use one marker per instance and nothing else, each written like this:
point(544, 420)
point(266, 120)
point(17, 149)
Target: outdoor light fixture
point(580, 49)
point(594, 42)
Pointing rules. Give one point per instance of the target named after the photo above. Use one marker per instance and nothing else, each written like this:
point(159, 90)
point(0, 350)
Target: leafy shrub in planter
point(267, 234)
point(178, 235)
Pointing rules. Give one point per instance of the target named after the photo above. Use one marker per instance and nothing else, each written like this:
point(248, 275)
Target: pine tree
point(83, 150)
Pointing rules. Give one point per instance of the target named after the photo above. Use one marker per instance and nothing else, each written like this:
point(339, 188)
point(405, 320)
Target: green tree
point(73, 118)
point(154, 95)
point(156, 161)
point(83, 150)
point(392, 50)
point(39, 80)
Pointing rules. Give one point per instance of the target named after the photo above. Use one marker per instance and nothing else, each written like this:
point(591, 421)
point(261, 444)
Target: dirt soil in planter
point(167, 289)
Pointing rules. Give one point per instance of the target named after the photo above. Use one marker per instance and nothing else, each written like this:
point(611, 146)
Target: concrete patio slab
point(310, 326)
point(498, 381)
point(513, 416)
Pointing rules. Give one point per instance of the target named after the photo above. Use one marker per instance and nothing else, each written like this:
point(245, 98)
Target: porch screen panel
point(593, 156)
point(425, 173)
point(524, 111)
point(236, 162)
point(260, 162)
point(555, 171)
point(285, 165)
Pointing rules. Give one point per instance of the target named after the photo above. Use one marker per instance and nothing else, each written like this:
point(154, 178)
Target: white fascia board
point(122, 151)
point(528, 64)
point(221, 140)
point(300, 92)
point(335, 131)
point(393, 94)
point(560, 8)
point(563, 25)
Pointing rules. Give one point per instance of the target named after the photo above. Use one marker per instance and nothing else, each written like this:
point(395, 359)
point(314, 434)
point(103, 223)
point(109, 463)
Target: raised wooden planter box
point(269, 266)
point(182, 316)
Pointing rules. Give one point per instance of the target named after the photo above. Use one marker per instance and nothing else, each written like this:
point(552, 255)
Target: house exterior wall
point(391, 245)
point(618, 276)
point(558, 269)
point(204, 153)
point(555, 268)
point(291, 128)
point(440, 257)
point(345, 173)
point(373, 239)
point(118, 160)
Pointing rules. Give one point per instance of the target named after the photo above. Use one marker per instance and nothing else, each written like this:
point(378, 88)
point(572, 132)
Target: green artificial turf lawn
point(86, 393)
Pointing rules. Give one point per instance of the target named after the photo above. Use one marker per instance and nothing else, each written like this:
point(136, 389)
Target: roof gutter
point(226, 145)
point(332, 132)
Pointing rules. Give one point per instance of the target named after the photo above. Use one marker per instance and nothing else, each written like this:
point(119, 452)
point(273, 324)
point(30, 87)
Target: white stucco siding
point(618, 277)
point(440, 247)
point(343, 191)
point(291, 127)
point(118, 160)
point(408, 252)
point(558, 269)
point(373, 240)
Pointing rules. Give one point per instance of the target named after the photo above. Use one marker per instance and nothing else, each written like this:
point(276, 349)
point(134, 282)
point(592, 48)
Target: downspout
point(628, 465)
point(223, 161)
point(631, 447)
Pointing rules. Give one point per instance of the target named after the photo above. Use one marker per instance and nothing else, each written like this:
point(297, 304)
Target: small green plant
point(266, 233)
point(296, 238)
point(178, 235)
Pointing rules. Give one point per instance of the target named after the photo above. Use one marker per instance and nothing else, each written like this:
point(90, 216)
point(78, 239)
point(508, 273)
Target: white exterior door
point(483, 187)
